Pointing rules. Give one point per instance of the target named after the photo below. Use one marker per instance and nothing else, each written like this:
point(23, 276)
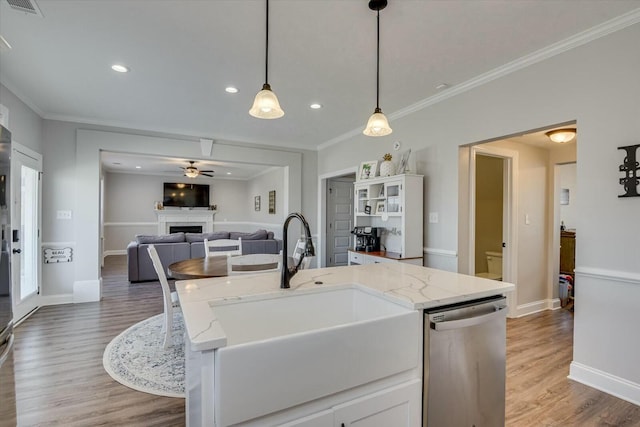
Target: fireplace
point(176, 220)
point(185, 229)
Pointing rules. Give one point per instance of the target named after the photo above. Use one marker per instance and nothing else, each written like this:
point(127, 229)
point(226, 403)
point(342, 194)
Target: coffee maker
point(367, 239)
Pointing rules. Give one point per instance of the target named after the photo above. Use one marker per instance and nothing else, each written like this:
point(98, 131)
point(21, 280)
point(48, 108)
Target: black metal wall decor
point(631, 169)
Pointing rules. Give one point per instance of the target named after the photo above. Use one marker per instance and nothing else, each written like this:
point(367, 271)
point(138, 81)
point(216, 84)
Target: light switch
point(527, 221)
point(433, 217)
point(63, 215)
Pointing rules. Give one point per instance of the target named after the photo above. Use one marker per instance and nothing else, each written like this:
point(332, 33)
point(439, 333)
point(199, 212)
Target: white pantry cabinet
point(395, 205)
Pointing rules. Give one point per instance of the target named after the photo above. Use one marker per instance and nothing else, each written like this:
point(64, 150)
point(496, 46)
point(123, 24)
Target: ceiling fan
point(192, 172)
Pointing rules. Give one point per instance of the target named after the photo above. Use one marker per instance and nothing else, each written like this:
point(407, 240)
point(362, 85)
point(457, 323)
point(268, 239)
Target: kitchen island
point(381, 350)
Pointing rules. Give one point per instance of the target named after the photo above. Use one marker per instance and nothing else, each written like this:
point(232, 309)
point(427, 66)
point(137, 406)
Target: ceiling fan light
point(266, 105)
point(378, 125)
point(561, 135)
point(191, 172)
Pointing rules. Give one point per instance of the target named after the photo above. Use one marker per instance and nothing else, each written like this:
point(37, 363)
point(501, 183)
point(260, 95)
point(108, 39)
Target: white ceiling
point(183, 53)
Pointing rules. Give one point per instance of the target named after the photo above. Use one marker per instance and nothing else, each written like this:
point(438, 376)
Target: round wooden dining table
point(216, 266)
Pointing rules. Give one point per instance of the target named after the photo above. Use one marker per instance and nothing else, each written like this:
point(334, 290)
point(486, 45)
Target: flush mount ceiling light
point(561, 135)
point(266, 105)
point(120, 68)
point(378, 125)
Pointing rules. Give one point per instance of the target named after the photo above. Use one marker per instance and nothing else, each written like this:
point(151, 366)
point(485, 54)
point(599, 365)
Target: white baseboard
point(56, 299)
point(537, 306)
point(114, 252)
point(611, 384)
point(87, 290)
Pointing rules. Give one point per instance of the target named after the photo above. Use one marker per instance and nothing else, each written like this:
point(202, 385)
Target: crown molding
point(579, 39)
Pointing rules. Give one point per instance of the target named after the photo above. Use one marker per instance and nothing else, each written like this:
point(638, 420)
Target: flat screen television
point(186, 195)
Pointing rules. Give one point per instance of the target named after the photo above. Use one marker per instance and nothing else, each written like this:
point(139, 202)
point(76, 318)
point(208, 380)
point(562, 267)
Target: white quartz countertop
point(412, 286)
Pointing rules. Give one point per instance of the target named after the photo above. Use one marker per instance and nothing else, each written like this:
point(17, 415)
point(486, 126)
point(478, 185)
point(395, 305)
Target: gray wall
point(598, 86)
point(129, 201)
point(25, 125)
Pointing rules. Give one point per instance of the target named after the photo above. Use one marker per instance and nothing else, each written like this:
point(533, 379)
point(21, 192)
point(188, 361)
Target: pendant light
point(266, 105)
point(378, 125)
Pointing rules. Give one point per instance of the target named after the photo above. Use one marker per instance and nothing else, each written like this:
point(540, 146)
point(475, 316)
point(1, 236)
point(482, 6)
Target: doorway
point(26, 172)
point(339, 220)
point(492, 225)
point(331, 244)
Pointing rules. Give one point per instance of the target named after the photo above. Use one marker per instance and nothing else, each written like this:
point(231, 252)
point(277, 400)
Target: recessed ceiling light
point(228, 173)
point(117, 163)
point(315, 106)
point(442, 86)
point(138, 167)
point(120, 68)
point(231, 89)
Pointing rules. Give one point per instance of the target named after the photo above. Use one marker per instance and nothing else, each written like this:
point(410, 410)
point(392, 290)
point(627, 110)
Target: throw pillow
point(199, 237)
point(256, 235)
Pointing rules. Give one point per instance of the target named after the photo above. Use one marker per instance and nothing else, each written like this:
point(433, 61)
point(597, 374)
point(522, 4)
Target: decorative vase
point(387, 168)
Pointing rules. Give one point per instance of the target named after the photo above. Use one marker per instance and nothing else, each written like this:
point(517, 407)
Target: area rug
point(137, 359)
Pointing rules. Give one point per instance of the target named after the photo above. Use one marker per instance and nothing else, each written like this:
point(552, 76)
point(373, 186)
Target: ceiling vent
point(28, 6)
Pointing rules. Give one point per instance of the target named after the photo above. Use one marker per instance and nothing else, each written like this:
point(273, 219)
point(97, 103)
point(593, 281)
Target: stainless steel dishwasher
point(464, 364)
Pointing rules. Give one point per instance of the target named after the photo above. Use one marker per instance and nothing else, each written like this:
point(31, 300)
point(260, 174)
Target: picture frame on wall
point(367, 170)
point(256, 202)
point(272, 201)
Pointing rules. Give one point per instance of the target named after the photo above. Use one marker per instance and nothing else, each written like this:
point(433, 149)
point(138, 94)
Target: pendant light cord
point(266, 50)
point(378, 65)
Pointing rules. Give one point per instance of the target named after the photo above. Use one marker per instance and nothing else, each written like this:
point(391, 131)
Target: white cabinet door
point(321, 419)
point(398, 406)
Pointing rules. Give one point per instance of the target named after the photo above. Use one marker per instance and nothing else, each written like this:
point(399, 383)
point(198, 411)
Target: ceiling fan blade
point(206, 174)
point(207, 171)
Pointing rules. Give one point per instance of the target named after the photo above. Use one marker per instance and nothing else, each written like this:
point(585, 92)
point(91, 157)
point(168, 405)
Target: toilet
point(494, 261)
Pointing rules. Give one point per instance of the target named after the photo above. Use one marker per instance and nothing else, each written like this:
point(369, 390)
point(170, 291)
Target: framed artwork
point(272, 201)
point(404, 162)
point(380, 207)
point(256, 201)
point(367, 170)
point(367, 210)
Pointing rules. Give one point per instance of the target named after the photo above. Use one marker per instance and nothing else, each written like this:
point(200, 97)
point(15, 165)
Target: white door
point(26, 170)
point(339, 221)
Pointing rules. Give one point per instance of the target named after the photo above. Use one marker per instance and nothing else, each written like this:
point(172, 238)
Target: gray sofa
point(180, 246)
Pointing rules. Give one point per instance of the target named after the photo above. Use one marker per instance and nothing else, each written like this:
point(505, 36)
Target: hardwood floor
point(60, 379)
point(539, 351)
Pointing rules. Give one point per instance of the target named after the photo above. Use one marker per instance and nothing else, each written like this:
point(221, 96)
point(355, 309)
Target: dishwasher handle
point(469, 321)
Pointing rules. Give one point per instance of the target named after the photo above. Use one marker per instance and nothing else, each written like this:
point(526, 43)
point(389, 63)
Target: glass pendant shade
point(561, 135)
point(378, 125)
point(266, 105)
point(191, 172)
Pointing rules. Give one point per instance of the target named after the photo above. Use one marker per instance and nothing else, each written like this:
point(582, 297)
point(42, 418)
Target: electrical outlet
point(433, 217)
point(63, 215)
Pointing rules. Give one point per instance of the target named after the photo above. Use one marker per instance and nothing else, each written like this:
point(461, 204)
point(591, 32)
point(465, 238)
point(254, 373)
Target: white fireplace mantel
point(177, 217)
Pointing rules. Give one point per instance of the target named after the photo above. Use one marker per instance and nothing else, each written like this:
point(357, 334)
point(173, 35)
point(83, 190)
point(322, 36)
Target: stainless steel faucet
point(309, 250)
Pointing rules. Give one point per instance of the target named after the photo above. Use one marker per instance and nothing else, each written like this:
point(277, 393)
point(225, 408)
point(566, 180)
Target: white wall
point(261, 185)
point(567, 176)
point(599, 87)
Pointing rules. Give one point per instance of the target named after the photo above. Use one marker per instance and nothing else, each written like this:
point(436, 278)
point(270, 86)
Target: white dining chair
point(170, 298)
point(223, 243)
point(231, 262)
